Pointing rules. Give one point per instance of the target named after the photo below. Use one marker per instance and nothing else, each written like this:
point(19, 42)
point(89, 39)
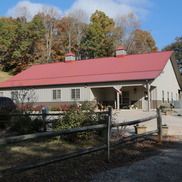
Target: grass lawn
point(4, 76)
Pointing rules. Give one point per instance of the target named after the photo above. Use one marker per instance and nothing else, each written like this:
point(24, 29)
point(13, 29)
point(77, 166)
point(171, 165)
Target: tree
point(100, 39)
point(79, 18)
point(176, 46)
point(8, 28)
point(17, 39)
point(49, 16)
point(24, 98)
point(71, 30)
point(141, 42)
point(127, 24)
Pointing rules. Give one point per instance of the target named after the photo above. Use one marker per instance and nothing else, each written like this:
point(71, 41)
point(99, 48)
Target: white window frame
point(14, 96)
point(75, 94)
point(56, 94)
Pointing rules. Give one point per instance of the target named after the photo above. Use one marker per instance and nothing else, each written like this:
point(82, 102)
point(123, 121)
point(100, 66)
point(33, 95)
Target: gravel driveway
point(165, 167)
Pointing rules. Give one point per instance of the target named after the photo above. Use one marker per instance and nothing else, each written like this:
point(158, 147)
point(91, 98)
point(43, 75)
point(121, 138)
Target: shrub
point(4, 120)
point(77, 117)
point(55, 108)
point(38, 108)
point(21, 124)
point(88, 106)
point(65, 107)
point(37, 125)
point(24, 124)
point(165, 107)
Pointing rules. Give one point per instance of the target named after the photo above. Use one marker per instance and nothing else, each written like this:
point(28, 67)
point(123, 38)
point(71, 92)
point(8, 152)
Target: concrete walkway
point(165, 167)
point(174, 122)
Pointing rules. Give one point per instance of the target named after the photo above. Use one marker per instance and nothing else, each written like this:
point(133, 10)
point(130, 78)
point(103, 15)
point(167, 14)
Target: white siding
point(86, 94)
point(167, 82)
point(46, 94)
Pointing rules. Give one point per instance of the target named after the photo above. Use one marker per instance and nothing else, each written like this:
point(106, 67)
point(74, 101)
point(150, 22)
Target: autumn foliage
point(46, 38)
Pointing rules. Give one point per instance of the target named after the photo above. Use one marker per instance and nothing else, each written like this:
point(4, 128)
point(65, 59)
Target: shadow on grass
point(78, 169)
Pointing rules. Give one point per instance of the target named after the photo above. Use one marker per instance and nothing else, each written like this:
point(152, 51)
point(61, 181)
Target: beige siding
point(46, 94)
point(167, 82)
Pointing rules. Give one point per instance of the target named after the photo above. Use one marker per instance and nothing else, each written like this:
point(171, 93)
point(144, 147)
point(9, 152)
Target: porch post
point(118, 104)
point(148, 94)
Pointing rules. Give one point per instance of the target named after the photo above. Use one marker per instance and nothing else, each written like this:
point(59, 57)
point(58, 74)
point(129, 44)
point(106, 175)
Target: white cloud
point(112, 8)
point(29, 9)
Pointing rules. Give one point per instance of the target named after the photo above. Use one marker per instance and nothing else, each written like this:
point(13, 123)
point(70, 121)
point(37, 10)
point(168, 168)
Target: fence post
point(159, 125)
point(109, 132)
point(44, 113)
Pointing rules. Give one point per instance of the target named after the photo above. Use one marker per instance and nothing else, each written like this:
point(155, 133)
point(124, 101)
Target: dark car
point(6, 105)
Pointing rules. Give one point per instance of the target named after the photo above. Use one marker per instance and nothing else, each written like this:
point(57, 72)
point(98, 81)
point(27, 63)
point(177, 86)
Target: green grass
point(4, 76)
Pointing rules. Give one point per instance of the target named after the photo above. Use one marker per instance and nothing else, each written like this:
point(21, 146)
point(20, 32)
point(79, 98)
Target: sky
point(163, 18)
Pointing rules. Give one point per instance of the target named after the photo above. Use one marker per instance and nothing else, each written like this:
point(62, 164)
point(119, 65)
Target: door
point(125, 99)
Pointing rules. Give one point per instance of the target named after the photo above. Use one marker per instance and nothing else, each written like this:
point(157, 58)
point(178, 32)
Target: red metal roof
point(129, 67)
point(70, 54)
point(120, 48)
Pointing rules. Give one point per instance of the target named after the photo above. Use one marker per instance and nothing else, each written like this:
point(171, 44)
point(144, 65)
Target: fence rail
point(134, 122)
point(106, 146)
point(42, 114)
point(21, 138)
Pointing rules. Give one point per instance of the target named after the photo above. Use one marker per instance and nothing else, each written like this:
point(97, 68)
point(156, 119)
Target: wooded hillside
point(46, 38)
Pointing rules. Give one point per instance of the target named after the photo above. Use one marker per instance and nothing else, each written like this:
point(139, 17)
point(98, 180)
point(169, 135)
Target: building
point(141, 81)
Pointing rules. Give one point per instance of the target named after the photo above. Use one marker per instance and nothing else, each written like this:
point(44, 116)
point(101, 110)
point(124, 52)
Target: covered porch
point(134, 96)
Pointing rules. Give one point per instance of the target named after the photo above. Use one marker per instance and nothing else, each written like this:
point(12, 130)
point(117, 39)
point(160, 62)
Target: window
point(75, 93)
point(1, 94)
point(14, 96)
point(163, 96)
point(168, 97)
point(56, 94)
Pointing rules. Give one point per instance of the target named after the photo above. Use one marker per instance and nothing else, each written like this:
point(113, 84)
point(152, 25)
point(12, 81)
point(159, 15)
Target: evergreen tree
point(100, 39)
point(176, 46)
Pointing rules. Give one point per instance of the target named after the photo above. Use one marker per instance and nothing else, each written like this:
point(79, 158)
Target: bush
point(165, 107)
point(88, 106)
point(65, 107)
point(37, 124)
point(21, 124)
point(4, 120)
point(77, 117)
point(38, 108)
point(24, 124)
point(55, 108)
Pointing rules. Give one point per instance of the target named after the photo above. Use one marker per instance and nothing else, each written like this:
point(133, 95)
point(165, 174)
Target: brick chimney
point(70, 57)
point(120, 51)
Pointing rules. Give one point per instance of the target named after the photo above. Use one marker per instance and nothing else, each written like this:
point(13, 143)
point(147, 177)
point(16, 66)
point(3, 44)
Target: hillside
point(4, 76)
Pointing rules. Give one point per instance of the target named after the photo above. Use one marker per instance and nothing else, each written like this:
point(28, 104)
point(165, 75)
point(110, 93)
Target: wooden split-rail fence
point(106, 146)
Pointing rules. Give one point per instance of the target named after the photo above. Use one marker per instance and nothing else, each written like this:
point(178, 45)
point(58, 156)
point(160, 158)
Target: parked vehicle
point(6, 105)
